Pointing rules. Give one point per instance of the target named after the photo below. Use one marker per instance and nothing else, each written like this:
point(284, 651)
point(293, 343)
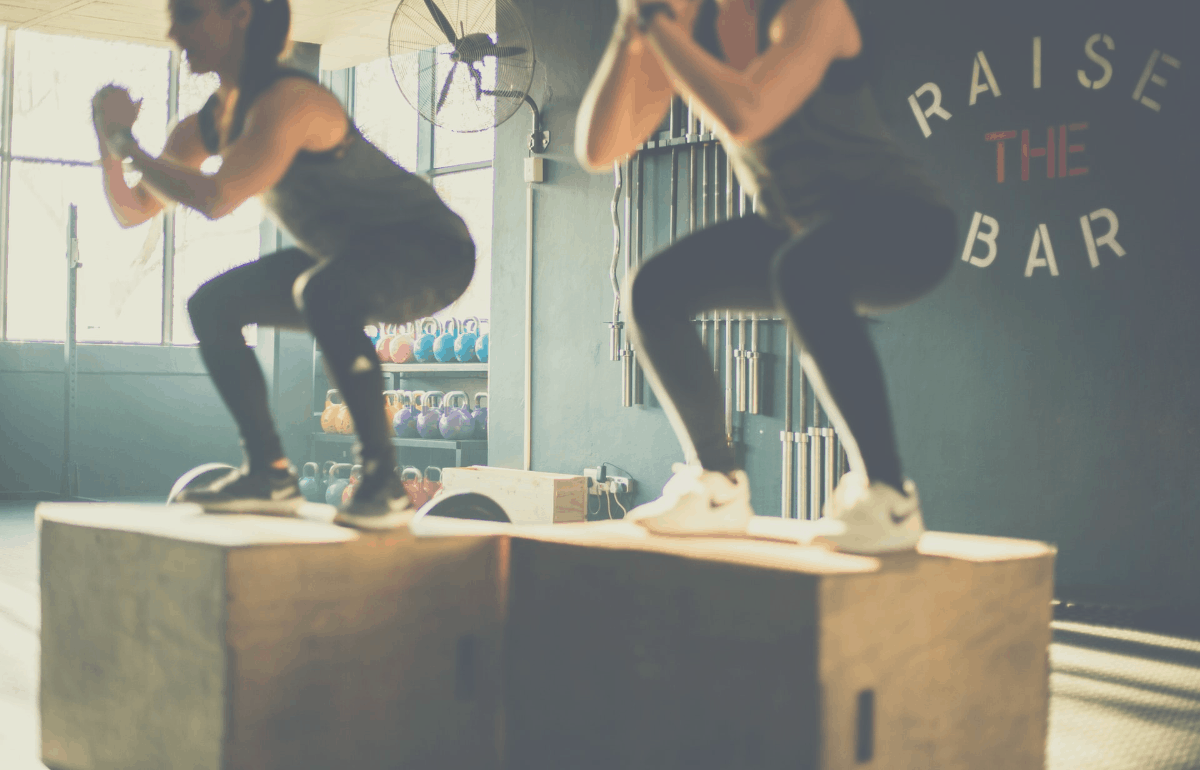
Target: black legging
point(334, 300)
point(873, 256)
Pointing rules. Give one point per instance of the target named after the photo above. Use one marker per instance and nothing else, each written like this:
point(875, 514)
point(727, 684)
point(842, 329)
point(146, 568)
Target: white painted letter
point(1041, 240)
point(1157, 80)
point(989, 238)
point(1089, 49)
point(1109, 239)
point(1037, 62)
point(934, 109)
point(976, 87)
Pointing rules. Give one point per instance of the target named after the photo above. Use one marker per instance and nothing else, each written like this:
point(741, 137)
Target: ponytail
point(266, 43)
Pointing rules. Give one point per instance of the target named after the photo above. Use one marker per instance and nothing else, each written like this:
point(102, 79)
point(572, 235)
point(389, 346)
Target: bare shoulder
point(297, 102)
point(300, 93)
point(798, 19)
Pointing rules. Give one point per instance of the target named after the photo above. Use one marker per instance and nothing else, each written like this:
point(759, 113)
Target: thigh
point(883, 252)
point(391, 285)
point(260, 292)
point(724, 266)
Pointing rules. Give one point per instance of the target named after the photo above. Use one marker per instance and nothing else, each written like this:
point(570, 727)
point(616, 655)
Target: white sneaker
point(698, 502)
point(871, 519)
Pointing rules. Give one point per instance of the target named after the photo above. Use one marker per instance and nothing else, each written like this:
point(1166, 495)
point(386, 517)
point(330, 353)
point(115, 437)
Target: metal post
point(802, 438)
point(70, 480)
point(753, 365)
point(827, 450)
point(6, 114)
point(627, 350)
point(635, 371)
point(614, 341)
point(785, 435)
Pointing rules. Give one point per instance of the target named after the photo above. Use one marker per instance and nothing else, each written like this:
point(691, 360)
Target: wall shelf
point(478, 446)
point(436, 368)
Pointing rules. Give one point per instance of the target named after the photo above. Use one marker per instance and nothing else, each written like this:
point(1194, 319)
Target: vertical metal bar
point(614, 341)
point(168, 222)
point(626, 351)
point(636, 386)
point(785, 435)
point(70, 354)
point(740, 364)
point(802, 437)
point(6, 119)
point(827, 451)
point(753, 365)
point(529, 231)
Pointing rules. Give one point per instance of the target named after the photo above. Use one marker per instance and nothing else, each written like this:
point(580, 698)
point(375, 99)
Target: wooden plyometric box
point(528, 497)
point(175, 640)
point(625, 650)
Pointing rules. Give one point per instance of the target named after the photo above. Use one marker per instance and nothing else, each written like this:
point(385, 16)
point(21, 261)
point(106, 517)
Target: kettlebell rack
point(812, 457)
point(465, 450)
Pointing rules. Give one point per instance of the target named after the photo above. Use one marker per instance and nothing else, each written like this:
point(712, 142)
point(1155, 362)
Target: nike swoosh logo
point(900, 519)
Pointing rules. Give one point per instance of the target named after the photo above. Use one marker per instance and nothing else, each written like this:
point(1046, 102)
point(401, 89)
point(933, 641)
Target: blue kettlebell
point(481, 344)
point(423, 347)
point(333, 493)
point(464, 346)
point(326, 477)
point(479, 415)
point(310, 487)
point(431, 415)
point(404, 424)
point(456, 422)
point(443, 346)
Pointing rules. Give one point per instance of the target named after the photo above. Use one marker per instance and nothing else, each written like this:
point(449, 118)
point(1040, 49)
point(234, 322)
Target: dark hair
point(267, 40)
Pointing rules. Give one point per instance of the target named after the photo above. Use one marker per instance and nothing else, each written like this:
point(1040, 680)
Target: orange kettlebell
point(352, 487)
point(330, 416)
point(412, 480)
point(418, 399)
point(345, 423)
point(391, 405)
point(401, 345)
point(381, 346)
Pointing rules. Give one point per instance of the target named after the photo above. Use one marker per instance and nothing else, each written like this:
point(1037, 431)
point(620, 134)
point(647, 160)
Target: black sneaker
point(274, 491)
point(379, 503)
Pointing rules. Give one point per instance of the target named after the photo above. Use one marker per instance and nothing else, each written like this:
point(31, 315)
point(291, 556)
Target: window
point(382, 114)
point(53, 147)
point(469, 193)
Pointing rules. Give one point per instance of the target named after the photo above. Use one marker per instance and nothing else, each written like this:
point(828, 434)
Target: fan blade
point(444, 23)
point(510, 94)
point(446, 88)
point(505, 50)
point(478, 78)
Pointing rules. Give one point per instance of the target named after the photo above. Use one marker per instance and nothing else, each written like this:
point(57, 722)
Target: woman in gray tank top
point(846, 225)
point(375, 242)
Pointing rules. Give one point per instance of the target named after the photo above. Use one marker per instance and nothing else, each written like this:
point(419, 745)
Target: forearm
point(626, 100)
point(191, 187)
point(129, 208)
point(719, 91)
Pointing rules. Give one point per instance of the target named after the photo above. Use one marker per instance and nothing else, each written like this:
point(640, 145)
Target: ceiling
point(349, 31)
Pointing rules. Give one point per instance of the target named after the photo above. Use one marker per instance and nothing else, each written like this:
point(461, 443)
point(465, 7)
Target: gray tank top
point(350, 197)
point(831, 150)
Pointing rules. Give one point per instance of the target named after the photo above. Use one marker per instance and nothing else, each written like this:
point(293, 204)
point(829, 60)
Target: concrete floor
point(1120, 699)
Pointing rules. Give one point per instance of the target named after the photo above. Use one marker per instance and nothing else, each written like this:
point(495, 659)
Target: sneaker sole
point(288, 507)
point(378, 523)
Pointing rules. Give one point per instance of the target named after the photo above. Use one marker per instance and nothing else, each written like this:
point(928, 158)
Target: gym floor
point(1121, 698)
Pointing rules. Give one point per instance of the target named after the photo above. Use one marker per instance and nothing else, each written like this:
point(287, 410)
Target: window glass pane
point(206, 248)
point(382, 114)
point(469, 194)
point(194, 90)
point(55, 79)
point(120, 281)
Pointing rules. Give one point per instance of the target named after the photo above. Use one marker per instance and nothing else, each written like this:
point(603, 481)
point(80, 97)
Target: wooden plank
point(528, 497)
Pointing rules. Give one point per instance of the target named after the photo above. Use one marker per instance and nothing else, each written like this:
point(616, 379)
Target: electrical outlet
point(619, 485)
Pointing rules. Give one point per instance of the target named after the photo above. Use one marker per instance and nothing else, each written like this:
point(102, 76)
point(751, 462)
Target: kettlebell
point(374, 331)
point(456, 422)
point(418, 400)
point(464, 346)
point(345, 423)
point(479, 415)
point(310, 487)
point(325, 477)
point(432, 483)
point(431, 415)
point(329, 417)
point(423, 349)
point(391, 405)
point(352, 487)
point(412, 480)
point(333, 493)
point(404, 424)
point(443, 346)
point(481, 344)
point(400, 350)
point(382, 341)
